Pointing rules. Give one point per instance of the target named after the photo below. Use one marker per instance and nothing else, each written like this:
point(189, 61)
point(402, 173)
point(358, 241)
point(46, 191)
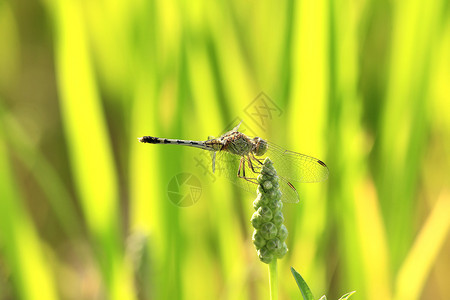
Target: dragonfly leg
point(241, 170)
point(250, 164)
point(255, 168)
point(213, 157)
point(254, 157)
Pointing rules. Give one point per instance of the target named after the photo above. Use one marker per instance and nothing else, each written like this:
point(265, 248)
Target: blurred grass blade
point(84, 123)
point(344, 131)
point(18, 240)
point(402, 139)
point(57, 194)
point(89, 147)
point(422, 256)
point(372, 242)
point(306, 121)
point(306, 292)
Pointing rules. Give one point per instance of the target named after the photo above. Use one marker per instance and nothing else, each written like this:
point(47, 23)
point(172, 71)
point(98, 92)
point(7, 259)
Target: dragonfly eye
point(260, 146)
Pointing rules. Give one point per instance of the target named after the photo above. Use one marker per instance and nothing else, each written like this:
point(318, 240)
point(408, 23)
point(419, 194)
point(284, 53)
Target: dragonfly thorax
point(238, 144)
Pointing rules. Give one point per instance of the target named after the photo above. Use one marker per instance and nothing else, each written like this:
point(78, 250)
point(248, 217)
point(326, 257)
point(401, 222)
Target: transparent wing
point(227, 166)
point(235, 129)
point(295, 166)
point(291, 167)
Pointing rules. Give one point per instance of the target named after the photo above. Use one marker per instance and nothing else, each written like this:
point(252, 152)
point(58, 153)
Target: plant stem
point(273, 282)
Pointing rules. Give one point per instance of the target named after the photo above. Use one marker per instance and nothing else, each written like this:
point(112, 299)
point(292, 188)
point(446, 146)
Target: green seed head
point(268, 230)
point(275, 205)
point(267, 185)
point(270, 233)
point(266, 213)
point(258, 240)
point(256, 220)
point(265, 255)
point(261, 200)
point(280, 252)
point(278, 218)
point(275, 194)
point(282, 233)
point(268, 170)
point(274, 244)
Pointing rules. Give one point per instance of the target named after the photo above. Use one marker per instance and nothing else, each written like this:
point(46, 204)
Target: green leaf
point(346, 296)
point(306, 292)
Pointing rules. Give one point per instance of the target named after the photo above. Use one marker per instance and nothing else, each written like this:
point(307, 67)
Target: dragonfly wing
point(288, 191)
point(295, 166)
point(235, 129)
point(227, 166)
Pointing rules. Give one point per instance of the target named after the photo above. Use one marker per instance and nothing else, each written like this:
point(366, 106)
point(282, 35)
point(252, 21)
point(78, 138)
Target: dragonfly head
point(259, 146)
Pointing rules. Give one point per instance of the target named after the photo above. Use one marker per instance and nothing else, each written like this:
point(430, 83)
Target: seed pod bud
point(270, 233)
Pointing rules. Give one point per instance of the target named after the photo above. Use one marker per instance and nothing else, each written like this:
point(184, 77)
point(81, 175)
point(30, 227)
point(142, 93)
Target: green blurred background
point(84, 209)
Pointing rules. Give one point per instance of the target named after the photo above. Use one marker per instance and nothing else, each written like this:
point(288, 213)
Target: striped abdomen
point(156, 140)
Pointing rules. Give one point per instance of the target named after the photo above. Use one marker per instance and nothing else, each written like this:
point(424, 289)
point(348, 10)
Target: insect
point(239, 158)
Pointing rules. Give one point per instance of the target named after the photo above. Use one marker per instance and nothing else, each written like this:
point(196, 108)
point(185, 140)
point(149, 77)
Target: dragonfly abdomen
point(156, 140)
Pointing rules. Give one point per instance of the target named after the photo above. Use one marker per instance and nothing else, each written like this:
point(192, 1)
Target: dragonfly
point(239, 158)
